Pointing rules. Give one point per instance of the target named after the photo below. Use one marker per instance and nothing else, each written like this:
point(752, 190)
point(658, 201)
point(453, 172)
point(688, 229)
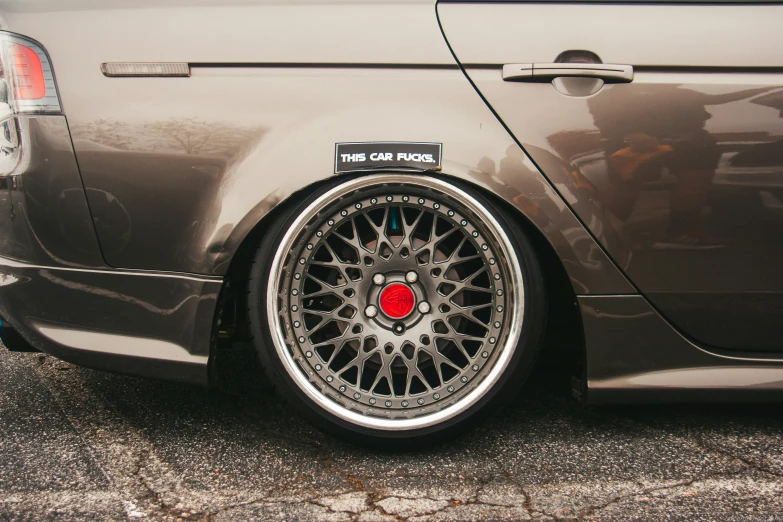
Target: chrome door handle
point(544, 72)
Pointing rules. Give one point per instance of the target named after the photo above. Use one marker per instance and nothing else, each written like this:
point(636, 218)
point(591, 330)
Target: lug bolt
point(371, 311)
point(424, 307)
point(399, 328)
point(411, 277)
point(378, 279)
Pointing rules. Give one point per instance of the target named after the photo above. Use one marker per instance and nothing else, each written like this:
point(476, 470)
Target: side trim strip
point(119, 344)
point(697, 69)
point(182, 70)
point(323, 65)
point(5, 262)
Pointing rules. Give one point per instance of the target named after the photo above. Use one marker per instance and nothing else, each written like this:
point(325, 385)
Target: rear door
point(661, 125)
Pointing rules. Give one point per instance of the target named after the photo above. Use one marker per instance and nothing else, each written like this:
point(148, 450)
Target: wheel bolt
point(411, 277)
point(424, 307)
point(378, 279)
point(371, 311)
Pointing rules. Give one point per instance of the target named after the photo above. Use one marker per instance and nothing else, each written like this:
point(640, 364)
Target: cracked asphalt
point(81, 444)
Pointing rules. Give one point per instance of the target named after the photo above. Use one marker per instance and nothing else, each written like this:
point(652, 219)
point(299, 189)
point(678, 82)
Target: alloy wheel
point(396, 302)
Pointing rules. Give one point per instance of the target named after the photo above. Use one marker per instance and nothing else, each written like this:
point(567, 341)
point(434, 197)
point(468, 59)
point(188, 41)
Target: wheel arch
point(563, 338)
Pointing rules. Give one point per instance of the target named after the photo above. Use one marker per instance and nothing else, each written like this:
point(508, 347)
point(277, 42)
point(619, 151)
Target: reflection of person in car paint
point(508, 169)
point(649, 127)
point(768, 153)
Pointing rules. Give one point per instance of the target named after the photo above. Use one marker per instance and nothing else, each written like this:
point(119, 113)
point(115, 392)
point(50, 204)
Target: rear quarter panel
point(179, 170)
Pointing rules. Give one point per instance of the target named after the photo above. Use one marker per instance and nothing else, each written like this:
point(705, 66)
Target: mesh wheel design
point(393, 303)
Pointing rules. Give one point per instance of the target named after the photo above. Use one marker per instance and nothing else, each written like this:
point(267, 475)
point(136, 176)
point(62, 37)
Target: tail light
point(26, 77)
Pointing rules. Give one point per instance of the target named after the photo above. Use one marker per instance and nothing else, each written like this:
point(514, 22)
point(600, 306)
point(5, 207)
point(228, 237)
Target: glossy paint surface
point(227, 32)
point(161, 205)
point(153, 324)
point(178, 170)
point(660, 33)
point(44, 217)
point(679, 174)
point(633, 355)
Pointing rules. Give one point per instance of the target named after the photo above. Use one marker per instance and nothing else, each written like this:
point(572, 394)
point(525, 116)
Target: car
point(394, 205)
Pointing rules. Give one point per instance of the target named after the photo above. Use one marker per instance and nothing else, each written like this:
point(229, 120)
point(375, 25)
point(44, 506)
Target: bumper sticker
point(384, 155)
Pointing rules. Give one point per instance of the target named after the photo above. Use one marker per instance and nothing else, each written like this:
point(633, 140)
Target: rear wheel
point(396, 307)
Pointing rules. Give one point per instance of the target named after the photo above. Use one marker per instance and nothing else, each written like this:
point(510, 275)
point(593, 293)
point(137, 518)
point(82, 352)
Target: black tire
point(506, 385)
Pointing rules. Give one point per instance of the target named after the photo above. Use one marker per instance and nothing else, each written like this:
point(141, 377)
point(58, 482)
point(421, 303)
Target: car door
point(661, 123)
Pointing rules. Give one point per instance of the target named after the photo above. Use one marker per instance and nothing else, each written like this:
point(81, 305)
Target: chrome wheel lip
point(479, 389)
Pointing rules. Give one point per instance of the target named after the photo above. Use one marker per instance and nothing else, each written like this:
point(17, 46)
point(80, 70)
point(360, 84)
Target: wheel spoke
point(336, 261)
point(378, 228)
point(335, 264)
point(454, 252)
point(413, 371)
point(354, 242)
point(385, 371)
point(321, 293)
point(410, 230)
point(317, 328)
point(317, 312)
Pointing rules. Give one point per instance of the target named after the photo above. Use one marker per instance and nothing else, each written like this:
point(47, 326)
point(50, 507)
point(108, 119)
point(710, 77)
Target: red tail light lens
point(28, 73)
point(27, 83)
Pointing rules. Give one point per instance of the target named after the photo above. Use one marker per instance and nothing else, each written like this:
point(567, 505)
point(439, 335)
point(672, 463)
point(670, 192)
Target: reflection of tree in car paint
point(198, 137)
point(179, 166)
point(112, 133)
point(191, 136)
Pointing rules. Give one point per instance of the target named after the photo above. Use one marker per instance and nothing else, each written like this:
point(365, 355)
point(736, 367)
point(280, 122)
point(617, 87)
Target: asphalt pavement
point(77, 444)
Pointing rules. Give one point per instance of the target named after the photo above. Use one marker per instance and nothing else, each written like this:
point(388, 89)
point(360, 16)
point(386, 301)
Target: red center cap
point(396, 300)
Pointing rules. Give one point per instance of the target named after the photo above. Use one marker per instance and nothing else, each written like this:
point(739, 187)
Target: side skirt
point(150, 324)
point(634, 355)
